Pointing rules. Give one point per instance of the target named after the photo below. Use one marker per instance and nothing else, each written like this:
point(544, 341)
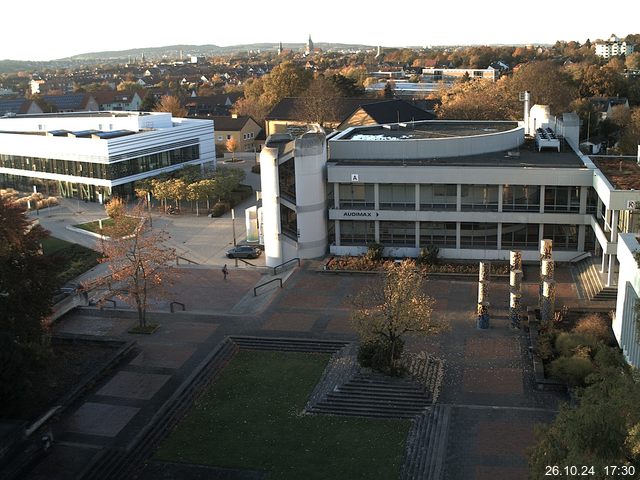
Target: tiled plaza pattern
point(484, 369)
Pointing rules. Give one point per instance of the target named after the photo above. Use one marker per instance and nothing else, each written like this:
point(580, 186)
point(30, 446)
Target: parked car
point(244, 251)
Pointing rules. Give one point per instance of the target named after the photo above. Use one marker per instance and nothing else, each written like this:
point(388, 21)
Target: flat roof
point(525, 156)
point(427, 130)
point(622, 172)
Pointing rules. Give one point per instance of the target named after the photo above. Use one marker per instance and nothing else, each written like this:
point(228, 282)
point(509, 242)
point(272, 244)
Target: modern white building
point(625, 326)
point(613, 48)
point(93, 155)
point(474, 189)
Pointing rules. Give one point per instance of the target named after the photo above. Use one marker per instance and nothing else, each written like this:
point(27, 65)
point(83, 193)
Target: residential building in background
point(95, 155)
point(613, 48)
point(244, 130)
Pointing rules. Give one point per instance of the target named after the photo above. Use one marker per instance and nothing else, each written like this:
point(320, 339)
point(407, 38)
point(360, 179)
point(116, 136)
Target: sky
point(45, 30)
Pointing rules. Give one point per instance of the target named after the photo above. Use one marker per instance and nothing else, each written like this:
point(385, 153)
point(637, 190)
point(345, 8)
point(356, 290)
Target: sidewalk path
point(487, 378)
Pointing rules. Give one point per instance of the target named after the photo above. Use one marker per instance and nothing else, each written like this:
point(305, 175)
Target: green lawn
point(251, 418)
point(69, 259)
point(130, 224)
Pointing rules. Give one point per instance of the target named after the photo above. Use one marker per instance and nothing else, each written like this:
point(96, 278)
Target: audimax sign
point(360, 213)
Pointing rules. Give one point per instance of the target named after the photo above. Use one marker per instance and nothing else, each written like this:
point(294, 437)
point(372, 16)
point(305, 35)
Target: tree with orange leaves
point(138, 262)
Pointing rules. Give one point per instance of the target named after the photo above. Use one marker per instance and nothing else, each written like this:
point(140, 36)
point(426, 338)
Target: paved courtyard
point(487, 379)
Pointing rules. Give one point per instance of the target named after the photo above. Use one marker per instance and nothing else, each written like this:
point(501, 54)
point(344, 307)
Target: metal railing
point(171, 306)
point(275, 269)
point(255, 290)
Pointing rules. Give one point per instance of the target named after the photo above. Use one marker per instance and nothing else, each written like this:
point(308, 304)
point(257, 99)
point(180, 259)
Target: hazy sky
point(45, 30)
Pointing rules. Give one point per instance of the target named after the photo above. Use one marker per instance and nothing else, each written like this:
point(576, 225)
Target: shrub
point(115, 207)
point(428, 255)
point(219, 209)
point(567, 343)
point(374, 252)
point(610, 357)
point(255, 168)
point(572, 370)
point(594, 326)
point(376, 354)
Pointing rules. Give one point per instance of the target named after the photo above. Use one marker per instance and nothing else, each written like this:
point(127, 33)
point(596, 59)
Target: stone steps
point(591, 282)
point(288, 344)
point(118, 463)
point(375, 395)
point(426, 446)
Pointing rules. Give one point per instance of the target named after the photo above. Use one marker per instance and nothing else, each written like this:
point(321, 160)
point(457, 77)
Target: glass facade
point(520, 235)
point(438, 197)
point(357, 196)
point(479, 197)
point(398, 234)
point(287, 180)
point(479, 235)
point(440, 234)
point(357, 233)
point(288, 222)
point(564, 237)
point(561, 199)
point(397, 196)
point(520, 198)
point(109, 171)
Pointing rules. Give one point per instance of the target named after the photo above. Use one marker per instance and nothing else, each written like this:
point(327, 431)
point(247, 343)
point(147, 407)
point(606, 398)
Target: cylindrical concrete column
point(546, 245)
point(483, 292)
point(485, 271)
point(515, 259)
point(547, 268)
point(547, 308)
point(515, 280)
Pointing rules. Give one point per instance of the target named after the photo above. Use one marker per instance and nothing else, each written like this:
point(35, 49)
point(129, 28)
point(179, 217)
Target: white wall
point(624, 324)
point(270, 206)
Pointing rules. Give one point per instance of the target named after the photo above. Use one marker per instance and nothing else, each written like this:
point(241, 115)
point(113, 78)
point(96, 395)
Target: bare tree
point(138, 262)
point(319, 102)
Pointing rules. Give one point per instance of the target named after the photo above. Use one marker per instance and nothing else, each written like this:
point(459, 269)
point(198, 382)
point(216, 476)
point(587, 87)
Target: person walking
point(225, 271)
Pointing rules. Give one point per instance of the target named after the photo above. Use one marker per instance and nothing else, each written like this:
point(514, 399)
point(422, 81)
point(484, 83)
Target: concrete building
point(624, 324)
point(94, 155)
point(476, 190)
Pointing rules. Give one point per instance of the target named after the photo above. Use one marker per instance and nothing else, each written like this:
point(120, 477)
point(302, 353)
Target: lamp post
point(149, 206)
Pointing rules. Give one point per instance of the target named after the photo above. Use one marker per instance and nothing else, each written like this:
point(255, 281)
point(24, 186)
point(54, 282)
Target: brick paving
point(487, 380)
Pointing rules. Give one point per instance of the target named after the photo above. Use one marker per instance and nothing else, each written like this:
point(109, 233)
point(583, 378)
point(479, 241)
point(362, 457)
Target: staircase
point(586, 271)
point(427, 445)
point(279, 344)
point(369, 394)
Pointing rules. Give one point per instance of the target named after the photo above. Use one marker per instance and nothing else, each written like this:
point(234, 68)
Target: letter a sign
point(355, 177)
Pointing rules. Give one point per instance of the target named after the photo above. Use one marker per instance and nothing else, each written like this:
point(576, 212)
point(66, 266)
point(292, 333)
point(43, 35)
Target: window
point(564, 237)
point(287, 180)
point(398, 196)
point(353, 232)
point(520, 198)
point(438, 197)
point(219, 138)
point(398, 234)
point(439, 234)
point(288, 222)
point(228, 137)
point(479, 235)
point(561, 199)
point(356, 196)
point(480, 197)
point(520, 235)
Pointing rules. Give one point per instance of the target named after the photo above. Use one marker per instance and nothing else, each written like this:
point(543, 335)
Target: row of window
point(109, 171)
point(472, 235)
point(515, 198)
